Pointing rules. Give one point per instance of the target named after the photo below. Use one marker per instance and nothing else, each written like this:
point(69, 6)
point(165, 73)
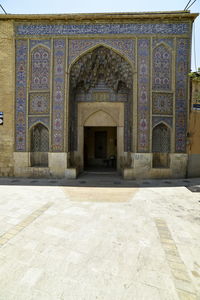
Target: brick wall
point(7, 79)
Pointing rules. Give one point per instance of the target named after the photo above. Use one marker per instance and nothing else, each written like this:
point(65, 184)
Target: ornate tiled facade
point(78, 47)
point(58, 96)
point(40, 68)
point(37, 120)
point(47, 91)
point(182, 69)
point(162, 64)
point(166, 120)
point(143, 94)
point(162, 103)
point(38, 103)
point(91, 76)
point(21, 99)
point(88, 29)
point(34, 43)
point(166, 41)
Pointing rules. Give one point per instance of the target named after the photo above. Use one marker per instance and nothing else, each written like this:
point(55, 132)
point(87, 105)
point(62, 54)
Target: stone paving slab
point(85, 243)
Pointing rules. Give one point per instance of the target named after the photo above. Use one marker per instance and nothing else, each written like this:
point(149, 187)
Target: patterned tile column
point(182, 54)
point(21, 85)
point(58, 96)
point(143, 94)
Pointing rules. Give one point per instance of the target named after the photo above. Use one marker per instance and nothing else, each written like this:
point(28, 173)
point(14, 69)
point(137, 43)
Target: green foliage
point(195, 75)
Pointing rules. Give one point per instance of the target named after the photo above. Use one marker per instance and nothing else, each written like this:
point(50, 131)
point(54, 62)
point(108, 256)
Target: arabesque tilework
point(156, 120)
point(38, 103)
point(113, 28)
point(79, 46)
point(40, 68)
point(162, 68)
point(34, 43)
point(169, 42)
point(21, 101)
point(143, 94)
point(182, 69)
point(35, 120)
point(58, 95)
point(162, 103)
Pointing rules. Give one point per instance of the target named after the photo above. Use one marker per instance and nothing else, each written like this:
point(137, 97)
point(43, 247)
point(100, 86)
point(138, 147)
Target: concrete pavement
point(99, 237)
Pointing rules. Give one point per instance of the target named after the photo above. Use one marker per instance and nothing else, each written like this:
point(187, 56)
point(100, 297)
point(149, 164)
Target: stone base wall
point(141, 167)
point(194, 165)
point(56, 166)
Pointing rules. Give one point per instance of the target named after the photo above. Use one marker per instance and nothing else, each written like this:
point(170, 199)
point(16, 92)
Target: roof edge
point(102, 16)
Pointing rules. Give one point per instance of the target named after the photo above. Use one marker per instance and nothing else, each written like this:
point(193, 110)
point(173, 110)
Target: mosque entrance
point(100, 110)
point(100, 148)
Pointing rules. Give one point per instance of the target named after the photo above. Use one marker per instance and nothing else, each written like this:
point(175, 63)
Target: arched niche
point(161, 145)
point(39, 145)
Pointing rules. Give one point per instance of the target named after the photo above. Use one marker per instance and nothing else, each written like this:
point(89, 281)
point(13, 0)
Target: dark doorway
point(100, 143)
point(100, 148)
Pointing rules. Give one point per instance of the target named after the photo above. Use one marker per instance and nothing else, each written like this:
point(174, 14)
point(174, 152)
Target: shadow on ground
point(103, 180)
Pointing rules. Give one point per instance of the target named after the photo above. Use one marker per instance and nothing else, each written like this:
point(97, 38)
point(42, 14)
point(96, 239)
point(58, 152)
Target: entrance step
point(100, 173)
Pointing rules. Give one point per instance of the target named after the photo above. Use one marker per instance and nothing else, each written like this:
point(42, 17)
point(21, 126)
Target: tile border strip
point(182, 280)
point(23, 224)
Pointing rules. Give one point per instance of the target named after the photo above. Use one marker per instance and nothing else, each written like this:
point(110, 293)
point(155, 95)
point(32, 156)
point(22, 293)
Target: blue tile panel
point(21, 101)
point(78, 46)
point(143, 94)
point(35, 120)
point(34, 43)
point(167, 120)
point(58, 95)
point(182, 69)
point(78, 29)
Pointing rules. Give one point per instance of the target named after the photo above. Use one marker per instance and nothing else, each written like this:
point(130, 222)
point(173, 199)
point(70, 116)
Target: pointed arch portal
point(100, 94)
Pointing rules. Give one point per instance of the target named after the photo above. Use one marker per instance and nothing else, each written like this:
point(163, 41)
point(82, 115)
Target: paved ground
point(99, 238)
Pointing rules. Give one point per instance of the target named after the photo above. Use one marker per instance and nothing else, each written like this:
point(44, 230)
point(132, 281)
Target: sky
point(89, 6)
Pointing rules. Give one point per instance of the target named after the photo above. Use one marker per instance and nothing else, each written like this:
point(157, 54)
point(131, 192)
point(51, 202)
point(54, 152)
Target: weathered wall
point(194, 132)
point(7, 81)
